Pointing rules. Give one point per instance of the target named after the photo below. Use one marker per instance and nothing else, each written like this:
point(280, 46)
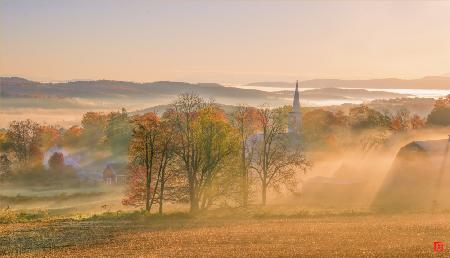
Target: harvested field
point(325, 236)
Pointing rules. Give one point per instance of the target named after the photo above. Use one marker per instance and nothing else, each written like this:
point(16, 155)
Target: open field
point(358, 235)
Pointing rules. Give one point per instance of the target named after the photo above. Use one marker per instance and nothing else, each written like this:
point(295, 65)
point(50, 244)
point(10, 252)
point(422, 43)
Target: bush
point(15, 216)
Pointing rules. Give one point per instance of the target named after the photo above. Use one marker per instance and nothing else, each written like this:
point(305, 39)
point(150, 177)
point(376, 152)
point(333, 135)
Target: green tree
point(318, 126)
point(24, 137)
point(118, 132)
point(204, 142)
point(93, 124)
point(440, 115)
point(216, 143)
point(363, 117)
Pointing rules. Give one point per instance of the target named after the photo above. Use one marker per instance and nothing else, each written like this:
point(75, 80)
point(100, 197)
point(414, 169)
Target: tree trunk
point(263, 193)
point(244, 177)
point(161, 195)
point(148, 179)
point(193, 200)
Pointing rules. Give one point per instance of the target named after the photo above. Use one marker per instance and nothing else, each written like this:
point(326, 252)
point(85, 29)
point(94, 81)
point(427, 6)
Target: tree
point(363, 117)
point(93, 124)
point(244, 120)
point(72, 136)
point(417, 122)
point(24, 137)
point(440, 115)
point(49, 136)
point(318, 125)
point(167, 167)
point(56, 162)
point(215, 142)
point(184, 111)
point(118, 132)
point(153, 171)
point(204, 142)
point(276, 162)
point(5, 164)
point(401, 121)
point(143, 152)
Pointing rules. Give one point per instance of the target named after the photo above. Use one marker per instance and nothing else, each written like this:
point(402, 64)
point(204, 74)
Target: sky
point(223, 41)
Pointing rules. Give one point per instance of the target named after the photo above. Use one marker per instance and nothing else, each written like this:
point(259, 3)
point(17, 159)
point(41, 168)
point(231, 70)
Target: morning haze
point(223, 41)
point(224, 128)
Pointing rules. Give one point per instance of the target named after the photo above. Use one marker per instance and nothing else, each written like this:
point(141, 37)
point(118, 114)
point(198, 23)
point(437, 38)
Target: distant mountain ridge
point(105, 89)
point(428, 82)
point(19, 87)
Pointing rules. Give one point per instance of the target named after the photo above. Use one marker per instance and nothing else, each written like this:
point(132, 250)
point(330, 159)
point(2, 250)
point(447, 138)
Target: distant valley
point(65, 102)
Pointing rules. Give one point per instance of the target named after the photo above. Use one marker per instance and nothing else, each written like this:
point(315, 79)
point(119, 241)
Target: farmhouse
point(114, 173)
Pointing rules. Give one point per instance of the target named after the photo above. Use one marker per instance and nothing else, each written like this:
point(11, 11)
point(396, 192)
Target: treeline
point(198, 154)
point(325, 129)
point(24, 143)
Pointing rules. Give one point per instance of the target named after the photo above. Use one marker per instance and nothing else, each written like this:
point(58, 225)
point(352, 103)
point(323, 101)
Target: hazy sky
point(223, 41)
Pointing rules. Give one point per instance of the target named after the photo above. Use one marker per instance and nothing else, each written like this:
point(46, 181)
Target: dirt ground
point(329, 236)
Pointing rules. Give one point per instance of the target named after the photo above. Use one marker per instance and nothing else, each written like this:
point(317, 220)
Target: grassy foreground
point(136, 235)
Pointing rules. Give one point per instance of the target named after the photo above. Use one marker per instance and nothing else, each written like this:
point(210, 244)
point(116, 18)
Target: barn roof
point(435, 149)
point(434, 146)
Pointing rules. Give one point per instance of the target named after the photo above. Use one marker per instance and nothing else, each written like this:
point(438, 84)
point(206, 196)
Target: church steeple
point(296, 103)
point(295, 117)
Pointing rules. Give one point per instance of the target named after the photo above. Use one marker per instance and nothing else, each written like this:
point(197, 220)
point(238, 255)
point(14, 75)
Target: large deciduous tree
point(143, 152)
point(363, 117)
point(244, 120)
point(118, 132)
point(276, 162)
point(93, 124)
point(204, 141)
point(24, 137)
point(151, 162)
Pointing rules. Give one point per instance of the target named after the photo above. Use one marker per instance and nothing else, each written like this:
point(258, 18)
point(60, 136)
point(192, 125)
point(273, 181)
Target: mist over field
point(105, 151)
point(224, 128)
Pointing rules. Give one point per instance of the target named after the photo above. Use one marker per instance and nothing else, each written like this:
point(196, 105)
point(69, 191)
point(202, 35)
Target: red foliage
point(49, 135)
point(56, 161)
point(135, 192)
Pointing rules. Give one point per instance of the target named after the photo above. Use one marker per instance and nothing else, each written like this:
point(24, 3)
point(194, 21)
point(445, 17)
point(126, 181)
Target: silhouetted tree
point(275, 161)
point(440, 115)
point(244, 120)
point(24, 137)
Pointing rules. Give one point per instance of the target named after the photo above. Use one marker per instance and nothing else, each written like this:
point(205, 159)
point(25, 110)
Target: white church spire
point(296, 102)
point(295, 117)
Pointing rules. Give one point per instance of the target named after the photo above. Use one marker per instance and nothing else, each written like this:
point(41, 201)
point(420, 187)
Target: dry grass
point(177, 236)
